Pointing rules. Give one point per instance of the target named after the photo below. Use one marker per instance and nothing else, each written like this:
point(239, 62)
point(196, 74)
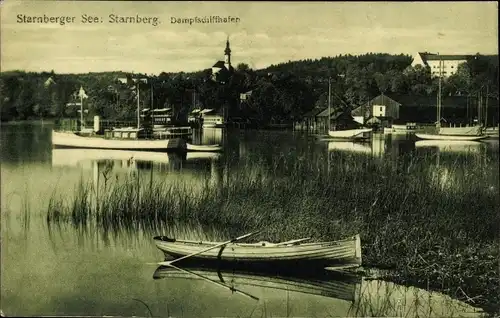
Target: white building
point(449, 62)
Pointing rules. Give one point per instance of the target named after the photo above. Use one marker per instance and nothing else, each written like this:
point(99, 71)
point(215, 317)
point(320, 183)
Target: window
point(381, 109)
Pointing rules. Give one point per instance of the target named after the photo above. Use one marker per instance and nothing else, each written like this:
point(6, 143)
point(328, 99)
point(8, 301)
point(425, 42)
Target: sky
point(267, 33)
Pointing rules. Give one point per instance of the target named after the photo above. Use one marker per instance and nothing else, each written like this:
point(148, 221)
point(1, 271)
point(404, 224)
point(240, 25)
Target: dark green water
point(59, 270)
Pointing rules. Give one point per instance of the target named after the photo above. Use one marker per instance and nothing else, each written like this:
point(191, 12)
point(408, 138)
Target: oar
point(294, 241)
point(215, 282)
point(168, 263)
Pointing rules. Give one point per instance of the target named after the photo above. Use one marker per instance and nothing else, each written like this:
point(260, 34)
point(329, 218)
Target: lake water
point(60, 270)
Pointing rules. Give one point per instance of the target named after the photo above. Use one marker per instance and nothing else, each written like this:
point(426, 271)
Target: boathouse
point(384, 110)
point(309, 120)
point(382, 107)
point(455, 109)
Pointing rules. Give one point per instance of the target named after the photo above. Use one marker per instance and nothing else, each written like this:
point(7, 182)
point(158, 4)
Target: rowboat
point(204, 148)
point(350, 133)
point(342, 286)
point(344, 253)
point(72, 140)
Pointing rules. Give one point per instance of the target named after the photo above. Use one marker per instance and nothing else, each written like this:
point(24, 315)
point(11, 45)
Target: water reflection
point(22, 143)
point(309, 294)
point(349, 146)
point(452, 145)
point(69, 261)
point(126, 159)
point(380, 145)
point(209, 136)
point(192, 169)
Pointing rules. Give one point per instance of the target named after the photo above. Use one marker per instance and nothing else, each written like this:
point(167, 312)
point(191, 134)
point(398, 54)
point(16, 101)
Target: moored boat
point(491, 132)
point(72, 140)
point(343, 253)
point(362, 133)
point(203, 148)
point(450, 137)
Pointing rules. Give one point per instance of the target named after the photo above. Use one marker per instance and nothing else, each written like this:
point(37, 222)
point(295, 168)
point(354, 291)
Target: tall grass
point(435, 226)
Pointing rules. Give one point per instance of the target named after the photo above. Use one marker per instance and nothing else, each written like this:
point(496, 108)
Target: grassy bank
point(435, 227)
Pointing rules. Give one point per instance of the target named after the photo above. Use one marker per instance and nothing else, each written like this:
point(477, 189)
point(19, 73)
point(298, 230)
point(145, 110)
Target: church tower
point(227, 55)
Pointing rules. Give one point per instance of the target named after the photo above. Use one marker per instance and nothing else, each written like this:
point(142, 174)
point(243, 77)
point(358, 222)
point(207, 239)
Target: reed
point(436, 227)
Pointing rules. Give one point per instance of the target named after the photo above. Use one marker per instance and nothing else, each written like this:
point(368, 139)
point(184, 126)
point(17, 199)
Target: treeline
point(280, 92)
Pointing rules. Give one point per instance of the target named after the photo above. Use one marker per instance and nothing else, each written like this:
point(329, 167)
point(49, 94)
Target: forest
point(278, 93)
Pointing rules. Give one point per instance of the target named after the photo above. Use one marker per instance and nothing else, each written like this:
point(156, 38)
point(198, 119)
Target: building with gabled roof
point(450, 62)
point(382, 107)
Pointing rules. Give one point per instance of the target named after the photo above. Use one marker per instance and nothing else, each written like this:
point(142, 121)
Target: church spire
point(227, 51)
point(227, 55)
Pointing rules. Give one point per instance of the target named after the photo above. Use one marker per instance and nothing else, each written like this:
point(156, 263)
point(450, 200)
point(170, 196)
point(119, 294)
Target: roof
point(313, 112)
point(325, 113)
point(446, 101)
point(379, 100)
point(219, 64)
point(435, 57)
point(340, 114)
point(205, 111)
point(159, 110)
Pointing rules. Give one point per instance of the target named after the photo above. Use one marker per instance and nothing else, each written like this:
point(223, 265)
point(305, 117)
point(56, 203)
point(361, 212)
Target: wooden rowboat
point(205, 148)
point(345, 253)
point(72, 140)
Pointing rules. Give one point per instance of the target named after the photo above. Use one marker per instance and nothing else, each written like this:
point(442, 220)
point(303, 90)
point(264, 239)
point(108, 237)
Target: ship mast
point(329, 100)
point(438, 110)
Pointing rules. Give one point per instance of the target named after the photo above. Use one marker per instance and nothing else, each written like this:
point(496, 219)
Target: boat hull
point(449, 137)
point(346, 253)
point(71, 140)
point(350, 134)
point(203, 148)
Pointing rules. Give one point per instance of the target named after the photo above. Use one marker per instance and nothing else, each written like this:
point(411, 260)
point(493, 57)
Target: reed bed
point(435, 226)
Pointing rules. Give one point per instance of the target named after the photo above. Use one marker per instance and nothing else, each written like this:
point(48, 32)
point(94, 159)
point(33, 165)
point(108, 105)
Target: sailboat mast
point(440, 79)
point(81, 111)
point(479, 110)
point(329, 100)
point(152, 104)
point(486, 107)
point(439, 94)
point(138, 106)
